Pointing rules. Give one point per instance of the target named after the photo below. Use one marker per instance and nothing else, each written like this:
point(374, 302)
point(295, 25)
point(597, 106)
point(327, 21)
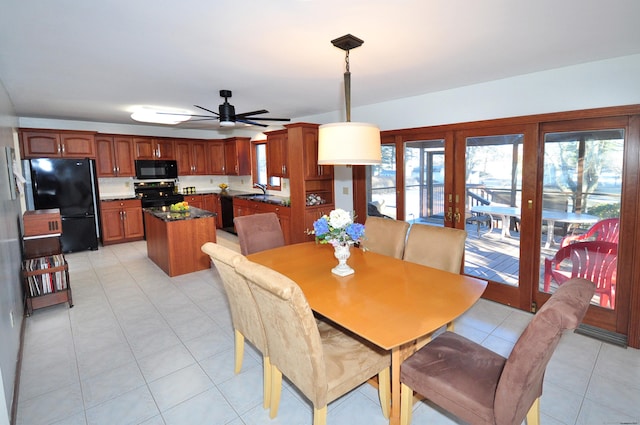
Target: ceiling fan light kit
point(348, 143)
point(158, 115)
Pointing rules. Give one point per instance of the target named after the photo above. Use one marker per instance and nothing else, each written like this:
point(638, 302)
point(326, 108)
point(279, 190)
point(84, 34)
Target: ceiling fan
point(227, 114)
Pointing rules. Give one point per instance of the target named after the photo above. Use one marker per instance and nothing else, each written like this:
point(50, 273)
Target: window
point(260, 166)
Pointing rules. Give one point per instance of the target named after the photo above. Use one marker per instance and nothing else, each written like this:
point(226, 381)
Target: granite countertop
point(251, 196)
point(118, 197)
point(164, 213)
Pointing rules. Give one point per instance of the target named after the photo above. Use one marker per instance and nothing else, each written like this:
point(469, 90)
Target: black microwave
point(152, 169)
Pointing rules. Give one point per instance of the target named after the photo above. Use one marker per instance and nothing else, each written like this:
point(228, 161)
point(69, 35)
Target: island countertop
point(165, 214)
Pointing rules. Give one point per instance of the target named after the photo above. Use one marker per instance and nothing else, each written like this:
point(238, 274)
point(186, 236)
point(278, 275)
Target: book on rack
point(45, 282)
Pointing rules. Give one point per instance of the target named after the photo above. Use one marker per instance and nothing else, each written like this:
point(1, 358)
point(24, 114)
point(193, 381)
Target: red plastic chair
point(595, 260)
point(607, 230)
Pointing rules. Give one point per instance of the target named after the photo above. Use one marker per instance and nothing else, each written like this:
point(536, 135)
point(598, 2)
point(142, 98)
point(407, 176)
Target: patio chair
point(607, 230)
point(595, 260)
point(482, 387)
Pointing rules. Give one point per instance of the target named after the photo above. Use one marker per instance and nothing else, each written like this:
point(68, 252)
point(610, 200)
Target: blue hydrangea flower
point(320, 226)
point(355, 231)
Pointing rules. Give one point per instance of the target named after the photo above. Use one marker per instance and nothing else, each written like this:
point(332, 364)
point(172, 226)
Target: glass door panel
point(424, 182)
point(383, 184)
point(581, 207)
point(493, 193)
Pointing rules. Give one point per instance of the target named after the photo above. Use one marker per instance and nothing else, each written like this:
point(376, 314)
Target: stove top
point(157, 193)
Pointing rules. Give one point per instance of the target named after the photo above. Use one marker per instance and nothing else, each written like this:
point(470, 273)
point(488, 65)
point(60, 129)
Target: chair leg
point(533, 415)
point(320, 416)
point(384, 391)
point(266, 382)
point(239, 341)
point(406, 404)
point(276, 390)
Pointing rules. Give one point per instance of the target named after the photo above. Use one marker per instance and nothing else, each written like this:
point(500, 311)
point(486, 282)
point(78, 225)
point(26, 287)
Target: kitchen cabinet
point(196, 201)
point(216, 157)
point(121, 221)
point(212, 203)
point(153, 148)
point(57, 144)
point(237, 153)
point(115, 156)
point(191, 156)
point(242, 207)
point(277, 165)
point(313, 171)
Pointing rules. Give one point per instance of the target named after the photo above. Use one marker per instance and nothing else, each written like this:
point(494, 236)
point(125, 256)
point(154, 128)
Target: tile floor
point(139, 347)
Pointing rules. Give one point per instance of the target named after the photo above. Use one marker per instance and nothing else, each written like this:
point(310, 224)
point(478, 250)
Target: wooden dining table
point(389, 302)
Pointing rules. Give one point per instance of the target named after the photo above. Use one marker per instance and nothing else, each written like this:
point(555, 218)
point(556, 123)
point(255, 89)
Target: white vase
point(341, 252)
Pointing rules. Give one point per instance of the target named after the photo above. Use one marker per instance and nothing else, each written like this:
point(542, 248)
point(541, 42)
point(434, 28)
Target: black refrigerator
point(70, 185)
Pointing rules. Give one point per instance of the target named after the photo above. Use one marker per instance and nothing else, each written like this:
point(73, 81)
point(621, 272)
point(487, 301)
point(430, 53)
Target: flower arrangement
point(223, 186)
point(337, 228)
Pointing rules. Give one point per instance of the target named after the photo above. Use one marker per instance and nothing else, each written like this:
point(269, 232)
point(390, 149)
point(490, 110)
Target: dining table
point(505, 213)
point(388, 301)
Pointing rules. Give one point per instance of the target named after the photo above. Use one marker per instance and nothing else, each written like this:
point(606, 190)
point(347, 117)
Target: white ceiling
point(95, 60)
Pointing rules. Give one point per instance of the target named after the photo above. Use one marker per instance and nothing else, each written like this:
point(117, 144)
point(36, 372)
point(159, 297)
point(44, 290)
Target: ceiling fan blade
point(251, 122)
point(186, 115)
point(208, 110)
point(246, 114)
point(273, 119)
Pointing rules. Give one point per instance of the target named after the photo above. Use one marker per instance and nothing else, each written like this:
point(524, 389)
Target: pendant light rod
point(346, 43)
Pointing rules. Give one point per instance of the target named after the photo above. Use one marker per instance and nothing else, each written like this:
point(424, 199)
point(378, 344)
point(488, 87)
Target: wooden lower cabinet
point(195, 201)
point(247, 207)
point(121, 221)
point(311, 214)
point(208, 202)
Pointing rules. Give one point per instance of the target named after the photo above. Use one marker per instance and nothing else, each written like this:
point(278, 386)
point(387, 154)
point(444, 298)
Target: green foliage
point(605, 210)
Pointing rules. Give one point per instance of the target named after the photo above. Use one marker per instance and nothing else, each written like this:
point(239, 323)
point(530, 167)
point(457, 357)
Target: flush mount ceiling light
point(160, 115)
point(348, 143)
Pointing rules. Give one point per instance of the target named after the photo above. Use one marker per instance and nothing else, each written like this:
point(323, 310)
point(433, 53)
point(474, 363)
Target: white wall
point(613, 82)
point(10, 259)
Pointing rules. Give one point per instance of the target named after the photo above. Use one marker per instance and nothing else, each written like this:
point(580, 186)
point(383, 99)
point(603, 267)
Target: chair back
point(607, 230)
point(385, 236)
point(294, 341)
point(438, 247)
point(258, 232)
point(521, 379)
point(244, 310)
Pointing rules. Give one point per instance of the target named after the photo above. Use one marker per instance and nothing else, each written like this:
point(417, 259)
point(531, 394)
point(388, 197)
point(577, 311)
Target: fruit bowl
point(179, 207)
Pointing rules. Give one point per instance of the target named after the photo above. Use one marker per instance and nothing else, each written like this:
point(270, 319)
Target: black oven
point(152, 169)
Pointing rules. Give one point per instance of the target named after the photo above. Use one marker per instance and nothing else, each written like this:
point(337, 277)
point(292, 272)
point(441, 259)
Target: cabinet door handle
point(59, 148)
point(115, 170)
point(63, 150)
point(121, 216)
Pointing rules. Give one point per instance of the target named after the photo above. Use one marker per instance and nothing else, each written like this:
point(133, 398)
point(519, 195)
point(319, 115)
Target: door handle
point(449, 215)
point(457, 215)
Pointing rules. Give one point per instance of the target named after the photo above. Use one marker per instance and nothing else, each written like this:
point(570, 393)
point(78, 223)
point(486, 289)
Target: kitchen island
point(174, 238)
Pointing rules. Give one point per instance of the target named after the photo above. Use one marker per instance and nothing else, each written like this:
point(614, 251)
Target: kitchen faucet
point(262, 187)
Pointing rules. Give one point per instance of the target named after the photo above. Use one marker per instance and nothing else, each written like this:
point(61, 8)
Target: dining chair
point(245, 317)
point(385, 236)
point(258, 232)
point(607, 230)
point(438, 247)
point(593, 260)
point(322, 366)
point(482, 387)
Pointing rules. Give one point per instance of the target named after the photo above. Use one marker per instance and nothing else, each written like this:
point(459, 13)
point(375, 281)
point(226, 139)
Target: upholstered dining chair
point(244, 311)
point(438, 247)
point(385, 236)
point(322, 366)
point(258, 232)
point(483, 388)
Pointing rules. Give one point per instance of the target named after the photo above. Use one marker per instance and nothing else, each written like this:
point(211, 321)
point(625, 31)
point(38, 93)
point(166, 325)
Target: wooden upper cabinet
point(215, 155)
point(237, 153)
point(57, 144)
point(313, 171)
point(191, 156)
point(277, 161)
point(153, 148)
point(115, 156)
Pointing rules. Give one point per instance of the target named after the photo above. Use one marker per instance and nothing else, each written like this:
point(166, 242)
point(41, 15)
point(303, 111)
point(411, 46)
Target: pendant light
point(348, 143)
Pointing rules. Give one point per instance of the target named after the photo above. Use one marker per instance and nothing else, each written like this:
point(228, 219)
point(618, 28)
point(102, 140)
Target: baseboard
point(16, 383)
point(602, 335)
